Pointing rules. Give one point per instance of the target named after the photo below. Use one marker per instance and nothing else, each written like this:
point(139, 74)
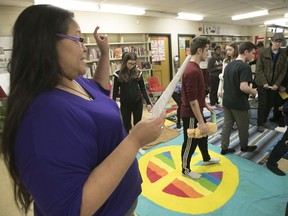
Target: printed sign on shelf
point(5, 53)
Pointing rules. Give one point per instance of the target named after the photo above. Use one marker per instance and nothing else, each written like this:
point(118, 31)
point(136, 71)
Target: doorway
point(184, 41)
point(161, 58)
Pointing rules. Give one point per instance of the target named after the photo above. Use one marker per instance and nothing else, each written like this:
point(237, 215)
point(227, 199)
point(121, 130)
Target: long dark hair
point(234, 45)
point(33, 69)
point(124, 74)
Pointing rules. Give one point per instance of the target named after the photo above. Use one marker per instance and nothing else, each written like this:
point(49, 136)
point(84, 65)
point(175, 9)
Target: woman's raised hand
point(102, 41)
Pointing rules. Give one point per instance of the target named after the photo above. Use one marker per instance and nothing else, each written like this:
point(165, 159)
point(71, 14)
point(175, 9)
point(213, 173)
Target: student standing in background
point(231, 54)
point(271, 68)
point(129, 87)
point(237, 77)
point(260, 47)
point(278, 100)
point(64, 143)
point(193, 101)
point(214, 69)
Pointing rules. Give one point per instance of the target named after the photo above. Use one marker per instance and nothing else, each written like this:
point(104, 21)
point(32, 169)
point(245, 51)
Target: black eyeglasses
point(76, 39)
point(131, 63)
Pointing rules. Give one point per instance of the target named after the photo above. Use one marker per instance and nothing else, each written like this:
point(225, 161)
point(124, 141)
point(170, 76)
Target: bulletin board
point(5, 56)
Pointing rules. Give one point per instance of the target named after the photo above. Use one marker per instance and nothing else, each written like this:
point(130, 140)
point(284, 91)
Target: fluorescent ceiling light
point(90, 6)
point(70, 5)
point(189, 16)
point(250, 15)
point(121, 9)
point(282, 21)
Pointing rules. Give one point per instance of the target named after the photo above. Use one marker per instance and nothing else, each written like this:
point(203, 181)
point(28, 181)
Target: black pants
point(127, 110)
point(214, 83)
point(177, 98)
point(278, 151)
point(278, 102)
point(190, 144)
point(265, 103)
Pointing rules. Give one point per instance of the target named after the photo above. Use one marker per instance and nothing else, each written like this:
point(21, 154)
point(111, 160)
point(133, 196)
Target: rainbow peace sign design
point(164, 184)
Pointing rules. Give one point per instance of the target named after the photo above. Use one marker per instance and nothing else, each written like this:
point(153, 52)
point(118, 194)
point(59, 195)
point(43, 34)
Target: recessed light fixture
point(189, 16)
point(94, 7)
point(250, 15)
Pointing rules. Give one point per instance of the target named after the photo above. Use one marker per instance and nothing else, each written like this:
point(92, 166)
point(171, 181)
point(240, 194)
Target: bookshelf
point(223, 40)
point(118, 44)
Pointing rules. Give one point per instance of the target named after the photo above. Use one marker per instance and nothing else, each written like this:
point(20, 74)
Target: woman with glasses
point(64, 143)
point(128, 88)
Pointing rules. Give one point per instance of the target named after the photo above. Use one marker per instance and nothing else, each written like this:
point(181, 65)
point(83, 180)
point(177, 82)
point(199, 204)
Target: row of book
point(115, 53)
point(114, 66)
point(118, 51)
point(93, 54)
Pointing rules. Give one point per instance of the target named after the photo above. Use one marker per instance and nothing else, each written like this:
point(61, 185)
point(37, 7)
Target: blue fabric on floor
point(259, 192)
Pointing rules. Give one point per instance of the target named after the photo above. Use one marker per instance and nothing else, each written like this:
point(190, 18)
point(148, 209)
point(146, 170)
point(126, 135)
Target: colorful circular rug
point(164, 184)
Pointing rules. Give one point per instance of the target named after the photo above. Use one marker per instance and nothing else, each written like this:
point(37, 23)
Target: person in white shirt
point(231, 54)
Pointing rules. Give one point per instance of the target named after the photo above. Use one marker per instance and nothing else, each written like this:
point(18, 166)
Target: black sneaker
point(227, 151)
point(274, 119)
point(249, 148)
point(260, 129)
point(275, 170)
point(266, 125)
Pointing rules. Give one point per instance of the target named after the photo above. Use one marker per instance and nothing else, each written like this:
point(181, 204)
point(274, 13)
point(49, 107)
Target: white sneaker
point(212, 161)
point(192, 175)
point(179, 129)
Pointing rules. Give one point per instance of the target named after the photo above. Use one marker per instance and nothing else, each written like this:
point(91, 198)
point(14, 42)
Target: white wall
point(8, 17)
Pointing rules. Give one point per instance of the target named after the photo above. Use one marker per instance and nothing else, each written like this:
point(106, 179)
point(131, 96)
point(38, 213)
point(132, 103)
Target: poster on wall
point(158, 50)
point(181, 43)
point(211, 29)
point(5, 53)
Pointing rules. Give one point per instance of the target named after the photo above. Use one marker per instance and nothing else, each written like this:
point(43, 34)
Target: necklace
point(75, 90)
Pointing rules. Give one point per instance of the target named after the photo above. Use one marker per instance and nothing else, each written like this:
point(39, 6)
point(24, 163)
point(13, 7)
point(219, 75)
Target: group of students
point(270, 78)
point(64, 143)
point(232, 81)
